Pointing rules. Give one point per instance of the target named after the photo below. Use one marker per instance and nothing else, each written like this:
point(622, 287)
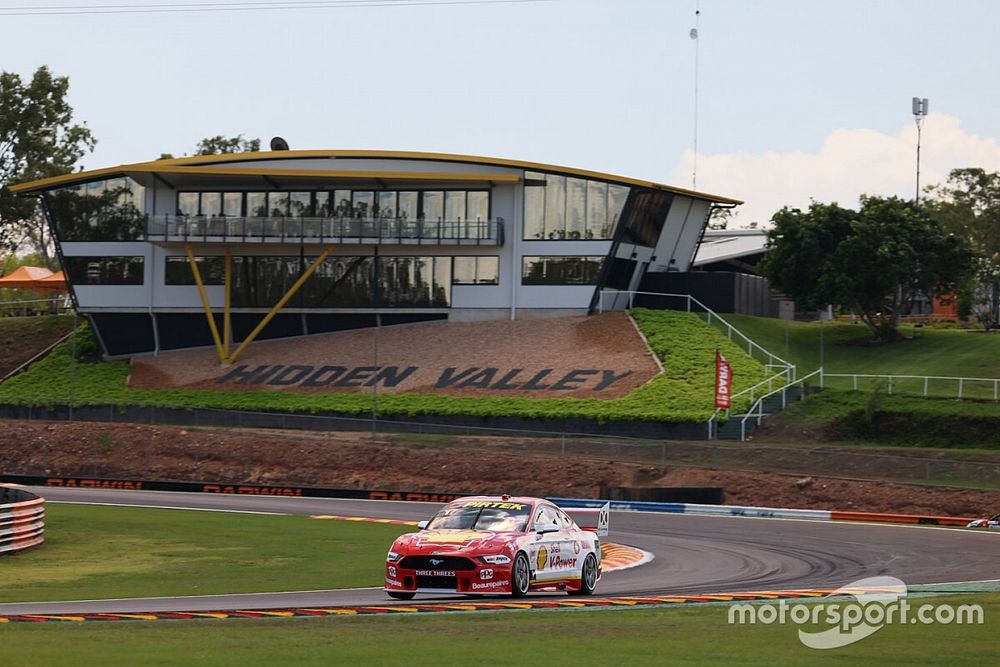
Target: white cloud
point(849, 163)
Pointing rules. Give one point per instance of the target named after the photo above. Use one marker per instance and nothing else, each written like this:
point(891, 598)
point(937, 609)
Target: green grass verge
point(847, 348)
point(110, 552)
point(684, 392)
point(690, 635)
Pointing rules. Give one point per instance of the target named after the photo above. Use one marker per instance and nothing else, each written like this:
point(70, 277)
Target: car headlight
point(392, 557)
point(499, 559)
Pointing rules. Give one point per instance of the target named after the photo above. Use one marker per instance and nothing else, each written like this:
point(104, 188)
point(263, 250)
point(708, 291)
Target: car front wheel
point(520, 576)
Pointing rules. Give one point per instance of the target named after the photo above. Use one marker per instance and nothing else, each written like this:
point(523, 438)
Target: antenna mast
point(694, 36)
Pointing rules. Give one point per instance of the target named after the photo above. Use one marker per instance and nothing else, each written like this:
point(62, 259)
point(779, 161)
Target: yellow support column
point(205, 303)
point(227, 329)
point(281, 303)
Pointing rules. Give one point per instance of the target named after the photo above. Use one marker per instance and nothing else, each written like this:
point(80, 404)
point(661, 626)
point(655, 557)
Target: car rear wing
point(596, 519)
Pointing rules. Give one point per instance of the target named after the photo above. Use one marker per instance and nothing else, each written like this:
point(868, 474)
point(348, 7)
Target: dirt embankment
point(437, 464)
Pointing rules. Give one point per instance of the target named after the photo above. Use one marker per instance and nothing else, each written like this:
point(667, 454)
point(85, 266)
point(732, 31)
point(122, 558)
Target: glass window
point(112, 210)
point(277, 204)
point(232, 204)
point(257, 204)
point(323, 208)
point(478, 205)
point(342, 204)
point(211, 203)
point(646, 217)
point(300, 204)
point(340, 282)
point(570, 208)
point(576, 208)
point(187, 203)
point(433, 206)
point(555, 207)
point(476, 271)
point(364, 204)
point(386, 205)
point(105, 270)
point(177, 271)
point(617, 194)
point(534, 213)
point(454, 205)
point(597, 210)
point(407, 206)
point(553, 270)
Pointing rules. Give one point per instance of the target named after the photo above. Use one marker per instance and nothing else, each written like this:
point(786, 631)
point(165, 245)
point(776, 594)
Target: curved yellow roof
point(199, 163)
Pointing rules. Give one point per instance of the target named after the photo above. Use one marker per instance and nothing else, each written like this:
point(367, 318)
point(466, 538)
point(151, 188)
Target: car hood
point(450, 541)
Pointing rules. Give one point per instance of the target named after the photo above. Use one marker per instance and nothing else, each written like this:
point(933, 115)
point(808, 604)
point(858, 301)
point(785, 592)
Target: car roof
point(523, 500)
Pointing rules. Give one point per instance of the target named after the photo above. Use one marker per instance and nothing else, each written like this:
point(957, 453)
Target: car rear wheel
point(588, 576)
point(520, 576)
point(400, 595)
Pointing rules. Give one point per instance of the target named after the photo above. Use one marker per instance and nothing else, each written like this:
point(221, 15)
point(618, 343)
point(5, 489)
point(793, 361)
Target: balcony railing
point(223, 229)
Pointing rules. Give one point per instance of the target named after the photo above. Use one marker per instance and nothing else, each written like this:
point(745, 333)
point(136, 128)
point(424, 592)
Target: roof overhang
point(227, 169)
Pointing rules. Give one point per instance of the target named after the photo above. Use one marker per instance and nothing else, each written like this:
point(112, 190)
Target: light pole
point(919, 113)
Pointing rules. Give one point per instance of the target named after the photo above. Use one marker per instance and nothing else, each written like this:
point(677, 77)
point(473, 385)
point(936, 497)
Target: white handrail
point(926, 378)
point(759, 405)
point(711, 313)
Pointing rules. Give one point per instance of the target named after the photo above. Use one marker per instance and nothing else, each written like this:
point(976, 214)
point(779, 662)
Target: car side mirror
point(422, 524)
point(550, 527)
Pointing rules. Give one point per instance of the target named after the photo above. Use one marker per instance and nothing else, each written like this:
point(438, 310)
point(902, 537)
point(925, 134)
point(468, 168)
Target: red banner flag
point(723, 381)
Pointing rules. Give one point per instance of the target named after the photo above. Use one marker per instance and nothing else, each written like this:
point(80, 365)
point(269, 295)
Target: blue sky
point(796, 99)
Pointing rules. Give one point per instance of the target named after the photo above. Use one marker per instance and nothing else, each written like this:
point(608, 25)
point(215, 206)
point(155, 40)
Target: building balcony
point(344, 231)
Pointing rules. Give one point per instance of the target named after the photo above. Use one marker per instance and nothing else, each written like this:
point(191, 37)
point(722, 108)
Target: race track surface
point(693, 554)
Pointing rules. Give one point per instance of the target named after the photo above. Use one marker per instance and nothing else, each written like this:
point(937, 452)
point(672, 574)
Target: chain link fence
point(188, 457)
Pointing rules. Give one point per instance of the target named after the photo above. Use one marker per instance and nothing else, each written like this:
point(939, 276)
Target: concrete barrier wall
point(22, 520)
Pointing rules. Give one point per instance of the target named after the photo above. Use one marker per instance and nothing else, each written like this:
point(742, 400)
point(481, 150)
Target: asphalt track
point(693, 554)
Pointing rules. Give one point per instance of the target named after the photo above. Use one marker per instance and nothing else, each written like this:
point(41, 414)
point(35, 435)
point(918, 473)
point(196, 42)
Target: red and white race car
point(497, 545)
point(993, 522)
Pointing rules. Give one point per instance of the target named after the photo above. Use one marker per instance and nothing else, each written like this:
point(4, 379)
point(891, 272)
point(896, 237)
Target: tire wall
point(22, 520)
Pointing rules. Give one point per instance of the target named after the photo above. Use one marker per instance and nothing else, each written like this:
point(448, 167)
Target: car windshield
point(502, 517)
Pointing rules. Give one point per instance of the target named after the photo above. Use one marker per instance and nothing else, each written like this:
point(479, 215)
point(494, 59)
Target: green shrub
point(683, 392)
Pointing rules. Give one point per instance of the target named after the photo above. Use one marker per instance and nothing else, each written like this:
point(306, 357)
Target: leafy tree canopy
point(968, 205)
point(219, 144)
point(871, 261)
point(38, 139)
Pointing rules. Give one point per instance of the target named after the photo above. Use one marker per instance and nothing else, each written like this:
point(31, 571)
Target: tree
point(969, 205)
point(872, 261)
point(38, 139)
point(219, 144)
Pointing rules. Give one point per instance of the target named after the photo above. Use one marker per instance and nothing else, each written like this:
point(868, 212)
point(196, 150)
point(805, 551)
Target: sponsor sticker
point(435, 573)
point(560, 563)
point(393, 582)
point(542, 558)
point(494, 505)
point(490, 585)
point(486, 573)
point(392, 571)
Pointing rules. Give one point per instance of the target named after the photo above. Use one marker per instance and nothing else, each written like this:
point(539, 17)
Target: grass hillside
point(847, 348)
point(21, 338)
point(869, 414)
point(683, 392)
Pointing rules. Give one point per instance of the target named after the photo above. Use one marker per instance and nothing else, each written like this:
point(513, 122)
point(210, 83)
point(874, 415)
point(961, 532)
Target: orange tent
point(53, 283)
point(25, 277)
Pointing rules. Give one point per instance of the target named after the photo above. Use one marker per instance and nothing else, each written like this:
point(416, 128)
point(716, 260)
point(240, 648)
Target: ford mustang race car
point(985, 523)
point(496, 545)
